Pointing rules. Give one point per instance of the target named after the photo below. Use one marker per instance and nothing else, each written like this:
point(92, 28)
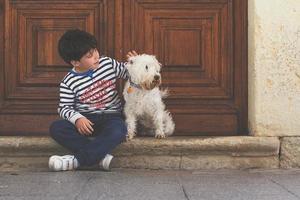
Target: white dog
point(144, 110)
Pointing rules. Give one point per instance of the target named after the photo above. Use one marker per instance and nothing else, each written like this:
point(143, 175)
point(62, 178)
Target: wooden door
point(202, 45)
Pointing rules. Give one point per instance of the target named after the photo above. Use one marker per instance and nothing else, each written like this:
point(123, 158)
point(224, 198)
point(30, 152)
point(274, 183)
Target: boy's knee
point(122, 128)
point(53, 128)
point(118, 132)
point(122, 131)
point(56, 127)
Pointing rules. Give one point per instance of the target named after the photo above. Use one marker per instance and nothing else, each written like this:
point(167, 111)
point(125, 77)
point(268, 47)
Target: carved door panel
point(31, 69)
point(202, 45)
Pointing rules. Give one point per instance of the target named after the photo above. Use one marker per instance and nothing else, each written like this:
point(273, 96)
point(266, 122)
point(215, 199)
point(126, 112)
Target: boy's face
point(90, 60)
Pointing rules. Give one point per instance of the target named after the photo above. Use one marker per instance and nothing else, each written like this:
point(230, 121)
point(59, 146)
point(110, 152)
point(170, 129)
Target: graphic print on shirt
point(95, 95)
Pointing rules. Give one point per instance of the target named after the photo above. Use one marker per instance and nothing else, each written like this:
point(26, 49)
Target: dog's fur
point(144, 109)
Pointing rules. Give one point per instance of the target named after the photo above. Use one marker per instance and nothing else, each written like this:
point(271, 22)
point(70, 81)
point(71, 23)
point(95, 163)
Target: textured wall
point(274, 67)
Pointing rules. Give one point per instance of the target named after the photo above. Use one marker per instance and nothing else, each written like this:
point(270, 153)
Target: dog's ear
point(154, 57)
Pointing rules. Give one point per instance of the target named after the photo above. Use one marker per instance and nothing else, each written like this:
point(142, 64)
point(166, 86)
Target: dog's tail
point(169, 124)
point(164, 93)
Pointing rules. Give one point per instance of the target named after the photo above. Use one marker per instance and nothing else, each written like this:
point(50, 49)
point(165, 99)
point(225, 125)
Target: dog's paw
point(130, 136)
point(160, 135)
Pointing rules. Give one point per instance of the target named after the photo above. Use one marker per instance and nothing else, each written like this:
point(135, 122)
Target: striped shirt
point(93, 91)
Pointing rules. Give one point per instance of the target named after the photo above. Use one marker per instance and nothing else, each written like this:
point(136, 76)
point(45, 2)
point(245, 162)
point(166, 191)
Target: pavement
point(251, 184)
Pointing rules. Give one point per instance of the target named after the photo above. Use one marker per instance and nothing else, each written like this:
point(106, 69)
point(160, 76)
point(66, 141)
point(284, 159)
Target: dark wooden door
point(202, 45)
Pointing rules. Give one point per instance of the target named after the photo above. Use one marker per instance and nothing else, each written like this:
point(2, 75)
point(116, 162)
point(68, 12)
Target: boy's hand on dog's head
point(131, 54)
point(84, 126)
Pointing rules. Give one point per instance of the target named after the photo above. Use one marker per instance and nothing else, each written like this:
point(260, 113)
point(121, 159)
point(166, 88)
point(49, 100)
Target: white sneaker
point(105, 162)
point(63, 163)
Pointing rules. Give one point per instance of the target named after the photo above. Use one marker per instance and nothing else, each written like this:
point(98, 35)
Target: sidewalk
point(151, 185)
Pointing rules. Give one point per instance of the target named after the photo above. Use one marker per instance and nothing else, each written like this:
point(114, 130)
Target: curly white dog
point(144, 109)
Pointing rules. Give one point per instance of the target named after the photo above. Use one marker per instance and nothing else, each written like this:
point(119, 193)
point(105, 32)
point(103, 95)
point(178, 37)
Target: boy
point(89, 104)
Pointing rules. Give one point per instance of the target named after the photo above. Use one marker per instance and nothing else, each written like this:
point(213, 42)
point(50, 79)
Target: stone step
point(237, 152)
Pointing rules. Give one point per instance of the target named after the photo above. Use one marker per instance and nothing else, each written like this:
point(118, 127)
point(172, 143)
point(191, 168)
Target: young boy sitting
point(89, 104)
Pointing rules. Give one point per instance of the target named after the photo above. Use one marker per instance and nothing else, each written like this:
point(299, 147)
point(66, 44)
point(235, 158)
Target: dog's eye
point(131, 62)
point(146, 67)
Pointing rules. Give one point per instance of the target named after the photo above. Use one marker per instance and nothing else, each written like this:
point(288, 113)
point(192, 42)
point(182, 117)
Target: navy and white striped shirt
point(93, 91)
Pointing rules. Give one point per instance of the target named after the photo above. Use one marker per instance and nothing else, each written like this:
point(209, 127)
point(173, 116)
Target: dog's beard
point(151, 85)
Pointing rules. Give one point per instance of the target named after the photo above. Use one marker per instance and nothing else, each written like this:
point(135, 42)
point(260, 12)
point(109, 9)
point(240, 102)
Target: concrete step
point(22, 153)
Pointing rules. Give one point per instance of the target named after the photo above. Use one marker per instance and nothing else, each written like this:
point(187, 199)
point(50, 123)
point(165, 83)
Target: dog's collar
point(134, 84)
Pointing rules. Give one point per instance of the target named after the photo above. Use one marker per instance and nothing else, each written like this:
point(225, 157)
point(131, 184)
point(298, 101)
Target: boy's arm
point(66, 104)
point(120, 69)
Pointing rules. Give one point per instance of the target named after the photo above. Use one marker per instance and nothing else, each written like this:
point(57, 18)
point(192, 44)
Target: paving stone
point(290, 152)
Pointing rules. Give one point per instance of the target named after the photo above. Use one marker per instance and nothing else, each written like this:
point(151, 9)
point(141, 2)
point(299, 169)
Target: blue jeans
point(109, 131)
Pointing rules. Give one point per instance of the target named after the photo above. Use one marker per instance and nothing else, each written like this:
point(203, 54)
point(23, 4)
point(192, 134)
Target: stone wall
point(274, 67)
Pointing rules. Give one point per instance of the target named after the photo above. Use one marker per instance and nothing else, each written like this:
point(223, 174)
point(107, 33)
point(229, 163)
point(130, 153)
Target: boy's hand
point(84, 126)
point(131, 54)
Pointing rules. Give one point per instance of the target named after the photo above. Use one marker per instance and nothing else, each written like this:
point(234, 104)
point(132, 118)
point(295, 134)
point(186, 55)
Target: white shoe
point(105, 162)
point(63, 163)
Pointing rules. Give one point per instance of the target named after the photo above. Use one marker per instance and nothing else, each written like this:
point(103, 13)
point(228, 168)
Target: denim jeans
point(109, 131)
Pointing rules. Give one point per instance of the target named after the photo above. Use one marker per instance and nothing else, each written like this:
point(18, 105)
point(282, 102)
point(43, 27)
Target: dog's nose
point(156, 77)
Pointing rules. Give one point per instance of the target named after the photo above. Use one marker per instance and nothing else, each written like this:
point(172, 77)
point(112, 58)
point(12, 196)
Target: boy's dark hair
point(73, 44)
